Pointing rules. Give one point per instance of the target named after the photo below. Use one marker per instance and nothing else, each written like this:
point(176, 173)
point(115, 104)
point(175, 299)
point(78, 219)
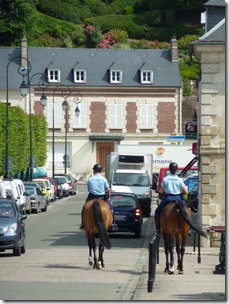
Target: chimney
point(174, 49)
point(24, 52)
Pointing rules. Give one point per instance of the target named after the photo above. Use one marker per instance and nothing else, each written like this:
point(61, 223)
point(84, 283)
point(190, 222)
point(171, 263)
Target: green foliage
point(186, 87)
point(19, 138)
point(183, 42)
point(16, 18)
point(118, 36)
point(128, 10)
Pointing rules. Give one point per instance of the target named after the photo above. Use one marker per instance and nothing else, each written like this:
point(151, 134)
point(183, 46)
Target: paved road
point(55, 265)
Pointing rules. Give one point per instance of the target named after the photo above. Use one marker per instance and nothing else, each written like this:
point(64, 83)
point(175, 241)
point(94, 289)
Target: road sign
point(175, 138)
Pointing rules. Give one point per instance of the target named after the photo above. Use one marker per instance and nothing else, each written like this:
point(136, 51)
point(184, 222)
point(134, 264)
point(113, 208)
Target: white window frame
point(80, 76)
point(57, 115)
point(79, 122)
point(146, 76)
point(54, 75)
point(115, 76)
point(146, 116)
point(115, 116)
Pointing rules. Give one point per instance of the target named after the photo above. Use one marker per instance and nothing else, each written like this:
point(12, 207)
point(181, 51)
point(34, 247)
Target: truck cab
point(133, 181)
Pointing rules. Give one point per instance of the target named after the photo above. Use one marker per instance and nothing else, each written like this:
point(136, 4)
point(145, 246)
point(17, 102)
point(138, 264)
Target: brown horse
point(175, 221)
point(97, 219)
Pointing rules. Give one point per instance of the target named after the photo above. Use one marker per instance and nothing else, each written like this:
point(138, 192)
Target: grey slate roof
point(216, 34)
point(215, 3)
point(97, 62)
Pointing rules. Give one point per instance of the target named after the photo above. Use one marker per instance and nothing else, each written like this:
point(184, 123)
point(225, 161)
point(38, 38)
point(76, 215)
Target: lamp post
point(23, 71)
point(43, 100)
point(76, 100)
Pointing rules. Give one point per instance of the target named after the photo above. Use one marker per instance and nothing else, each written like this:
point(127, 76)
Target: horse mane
point(100, 224)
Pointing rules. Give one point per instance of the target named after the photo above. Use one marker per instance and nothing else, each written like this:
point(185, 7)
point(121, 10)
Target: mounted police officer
point(172, 187)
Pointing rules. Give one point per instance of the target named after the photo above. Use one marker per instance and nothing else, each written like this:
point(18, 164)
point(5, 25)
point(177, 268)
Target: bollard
point(220, 268)
point(152, 262)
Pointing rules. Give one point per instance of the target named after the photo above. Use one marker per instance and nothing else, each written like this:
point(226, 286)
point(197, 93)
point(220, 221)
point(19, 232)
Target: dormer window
point(80, 76)
point(146, 77)
point(115, 76)
point(54, 75)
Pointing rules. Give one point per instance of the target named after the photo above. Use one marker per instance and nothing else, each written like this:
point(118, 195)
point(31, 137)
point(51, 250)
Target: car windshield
point(120, 201)
point(62, 180)
point(41, 184)
point(133, 179)
point(29, 190)
point(7, 210)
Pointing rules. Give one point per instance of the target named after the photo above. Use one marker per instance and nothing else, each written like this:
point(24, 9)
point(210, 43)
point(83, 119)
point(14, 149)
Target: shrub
point(186, 87)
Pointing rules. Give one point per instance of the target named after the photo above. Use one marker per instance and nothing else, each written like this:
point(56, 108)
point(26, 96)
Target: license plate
point(120, 217)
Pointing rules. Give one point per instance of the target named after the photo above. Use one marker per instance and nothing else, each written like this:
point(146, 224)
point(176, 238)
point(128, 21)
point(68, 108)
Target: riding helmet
point(173, 167)
point(97, 168)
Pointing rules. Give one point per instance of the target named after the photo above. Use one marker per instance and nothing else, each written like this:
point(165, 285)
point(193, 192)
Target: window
point(115, 76)
point(57, 115)
point(146, 76)
point(146, 116)
point(115, 116)
point(79, 122)
point(53, 75)
point(80, 76)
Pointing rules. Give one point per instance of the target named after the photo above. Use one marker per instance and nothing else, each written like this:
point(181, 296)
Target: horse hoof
point(98, 265)
point(180, 272)
point(166, 270)
point(90, 260)
point(171, 270)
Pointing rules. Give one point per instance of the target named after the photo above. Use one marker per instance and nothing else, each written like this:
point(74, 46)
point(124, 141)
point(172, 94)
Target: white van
point(13, 187)
point(21, 190)
point(2, 189)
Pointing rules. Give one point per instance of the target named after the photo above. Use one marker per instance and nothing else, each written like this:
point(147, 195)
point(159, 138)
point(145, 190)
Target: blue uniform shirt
point(172, 184)
point(97, 184)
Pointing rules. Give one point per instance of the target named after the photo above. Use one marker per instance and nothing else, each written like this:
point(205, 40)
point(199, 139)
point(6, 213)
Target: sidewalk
point(198, 283)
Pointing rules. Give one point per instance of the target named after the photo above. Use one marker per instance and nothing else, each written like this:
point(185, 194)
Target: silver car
point(37, 198)
point(72, 184)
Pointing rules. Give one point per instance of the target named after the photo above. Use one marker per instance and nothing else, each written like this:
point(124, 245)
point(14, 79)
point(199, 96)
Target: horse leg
point(90, 259)
point(182, 252)
point(178, 250)
point(92, 246)
point(166, 255)
point(171, 251)
point(101, 250)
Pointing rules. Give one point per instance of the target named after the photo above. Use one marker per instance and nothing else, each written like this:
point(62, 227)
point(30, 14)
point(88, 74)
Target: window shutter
point(146, 116)
point(57, 115)
point(115, 116)
point(79, 122)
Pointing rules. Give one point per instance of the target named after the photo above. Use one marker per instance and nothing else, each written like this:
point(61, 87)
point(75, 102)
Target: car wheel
point(38, 208)
point(138, 233)
point(45, 208)
point(23, 249)
point(17, 251)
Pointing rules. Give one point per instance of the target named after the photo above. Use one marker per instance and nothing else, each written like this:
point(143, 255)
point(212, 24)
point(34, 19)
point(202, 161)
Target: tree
point(16, 18)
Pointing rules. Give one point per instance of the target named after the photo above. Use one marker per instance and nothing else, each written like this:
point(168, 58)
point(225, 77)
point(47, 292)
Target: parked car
point(192, 199)
point(13, 232)
point(45, 187)
point(37, 198)
point(64, 183)
point(127, 213)
point(54, 186)
point(13, 187)
point(71, 182)
point(59, 187)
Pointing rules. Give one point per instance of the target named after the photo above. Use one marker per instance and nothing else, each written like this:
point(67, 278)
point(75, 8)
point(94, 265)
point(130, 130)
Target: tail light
point(70, 183)
point(137, 213)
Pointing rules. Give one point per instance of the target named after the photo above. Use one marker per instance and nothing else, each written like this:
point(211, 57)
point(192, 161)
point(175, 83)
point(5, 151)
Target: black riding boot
point(157, 225)
point(82, 226)
point(114, 226)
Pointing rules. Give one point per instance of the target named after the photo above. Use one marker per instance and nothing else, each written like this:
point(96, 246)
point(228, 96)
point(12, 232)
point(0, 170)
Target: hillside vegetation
point(103, 24)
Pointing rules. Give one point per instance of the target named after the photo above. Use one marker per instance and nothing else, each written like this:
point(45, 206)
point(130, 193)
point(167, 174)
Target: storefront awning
point(106, 137)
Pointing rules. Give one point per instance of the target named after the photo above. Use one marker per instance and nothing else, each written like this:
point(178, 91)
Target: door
point(102, 149)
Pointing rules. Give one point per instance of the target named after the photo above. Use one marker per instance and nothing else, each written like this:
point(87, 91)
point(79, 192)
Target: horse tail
point(100, 223)
point(197, 229)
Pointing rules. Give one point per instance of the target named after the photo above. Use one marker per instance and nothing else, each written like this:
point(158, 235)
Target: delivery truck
point(131, 173)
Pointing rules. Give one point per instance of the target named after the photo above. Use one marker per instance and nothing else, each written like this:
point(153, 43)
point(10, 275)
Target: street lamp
point(23, 71)
point(64, 107)
point(43, 100)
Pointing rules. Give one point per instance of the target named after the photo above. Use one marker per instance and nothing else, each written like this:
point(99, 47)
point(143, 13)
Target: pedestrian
point(172, 188)
point(98, 187)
